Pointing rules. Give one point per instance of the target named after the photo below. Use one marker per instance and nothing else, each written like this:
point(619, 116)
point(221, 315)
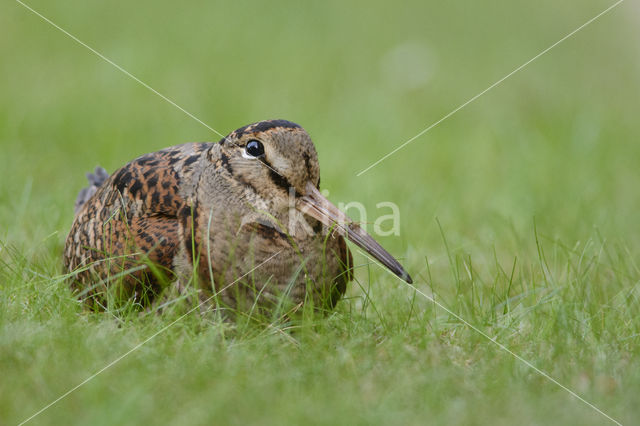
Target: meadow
point(519, 213)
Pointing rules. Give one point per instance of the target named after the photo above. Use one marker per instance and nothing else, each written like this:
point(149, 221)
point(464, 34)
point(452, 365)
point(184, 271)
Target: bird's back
point(132, 220)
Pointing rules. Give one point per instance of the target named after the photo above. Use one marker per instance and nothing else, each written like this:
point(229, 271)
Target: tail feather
point(96, 179)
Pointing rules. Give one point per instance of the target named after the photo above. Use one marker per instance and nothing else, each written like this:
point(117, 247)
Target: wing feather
point(133, 219)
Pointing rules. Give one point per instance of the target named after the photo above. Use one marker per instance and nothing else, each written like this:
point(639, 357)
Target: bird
point(242, 219)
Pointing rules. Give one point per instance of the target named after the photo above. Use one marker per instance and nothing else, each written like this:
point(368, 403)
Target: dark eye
point(255, 148)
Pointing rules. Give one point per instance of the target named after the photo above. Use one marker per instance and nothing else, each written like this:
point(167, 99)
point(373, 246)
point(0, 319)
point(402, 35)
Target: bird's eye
point(254, 148)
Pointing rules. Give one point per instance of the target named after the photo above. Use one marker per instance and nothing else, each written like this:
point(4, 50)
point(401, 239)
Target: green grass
point(519, 213)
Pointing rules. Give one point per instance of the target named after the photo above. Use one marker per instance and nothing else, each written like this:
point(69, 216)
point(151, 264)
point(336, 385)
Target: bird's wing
point(136, 218)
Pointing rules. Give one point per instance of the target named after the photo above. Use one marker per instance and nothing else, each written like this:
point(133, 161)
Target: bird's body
point(214, 211)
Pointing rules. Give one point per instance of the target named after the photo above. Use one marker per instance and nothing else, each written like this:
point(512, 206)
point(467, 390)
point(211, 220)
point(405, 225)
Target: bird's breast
point(261, 260)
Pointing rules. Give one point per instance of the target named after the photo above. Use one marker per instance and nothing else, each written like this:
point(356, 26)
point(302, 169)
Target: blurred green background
point(556, 145)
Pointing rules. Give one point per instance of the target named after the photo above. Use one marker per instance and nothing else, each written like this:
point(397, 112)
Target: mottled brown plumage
point(217, 210)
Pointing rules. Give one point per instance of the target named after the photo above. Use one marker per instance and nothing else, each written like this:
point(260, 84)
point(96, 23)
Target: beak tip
point(407, 277)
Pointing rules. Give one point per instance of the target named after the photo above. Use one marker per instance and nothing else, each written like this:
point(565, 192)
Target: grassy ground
point(519, 213)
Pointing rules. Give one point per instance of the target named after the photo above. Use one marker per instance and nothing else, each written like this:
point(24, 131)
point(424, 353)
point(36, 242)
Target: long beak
point(317, 206)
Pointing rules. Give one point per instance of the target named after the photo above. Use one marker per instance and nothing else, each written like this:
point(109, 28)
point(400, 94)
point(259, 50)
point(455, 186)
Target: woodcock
point(244, 216)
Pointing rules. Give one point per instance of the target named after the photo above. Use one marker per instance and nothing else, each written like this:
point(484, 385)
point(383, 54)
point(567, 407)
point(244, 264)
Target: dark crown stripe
point(262, 126)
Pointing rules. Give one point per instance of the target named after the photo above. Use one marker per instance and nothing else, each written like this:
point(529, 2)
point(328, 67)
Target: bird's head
point(276, 160)
point(273, 157)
